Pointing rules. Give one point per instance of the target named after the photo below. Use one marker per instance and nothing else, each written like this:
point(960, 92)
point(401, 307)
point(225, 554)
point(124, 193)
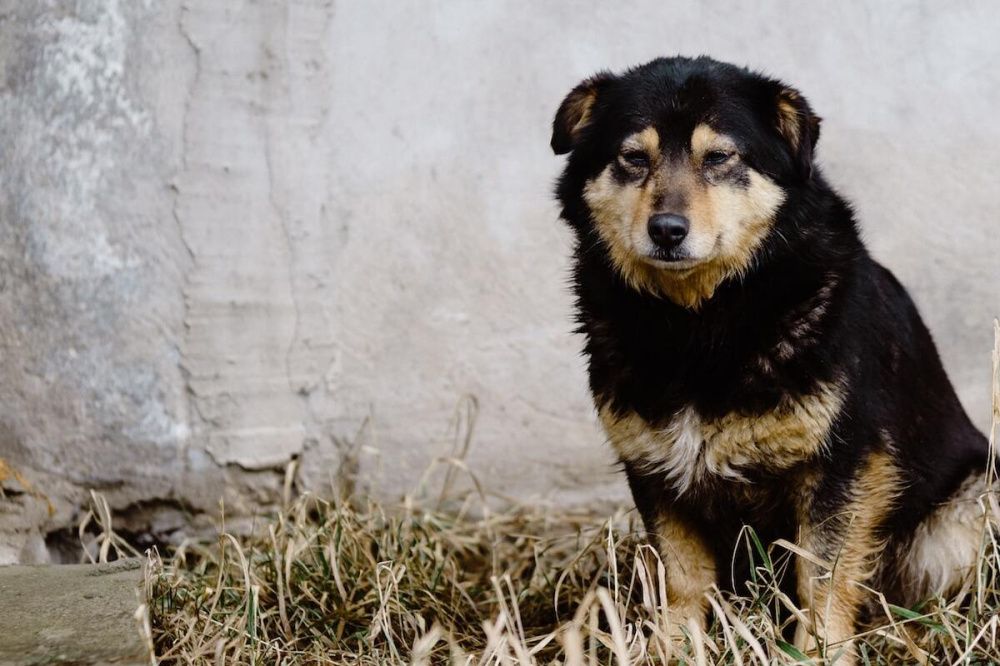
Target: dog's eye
point(635, 158)
point(716, 157)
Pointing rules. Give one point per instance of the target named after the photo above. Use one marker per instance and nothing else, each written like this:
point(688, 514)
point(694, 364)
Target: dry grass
point(356, 582)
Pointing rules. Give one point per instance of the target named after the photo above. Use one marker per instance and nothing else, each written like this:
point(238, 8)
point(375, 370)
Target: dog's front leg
point(687, 558)
point(844, 544)
point(830, 599)
point(690, 568)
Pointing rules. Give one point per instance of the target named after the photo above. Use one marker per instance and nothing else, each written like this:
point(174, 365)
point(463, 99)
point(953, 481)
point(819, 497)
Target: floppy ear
point(574, 113)
point(799, 126)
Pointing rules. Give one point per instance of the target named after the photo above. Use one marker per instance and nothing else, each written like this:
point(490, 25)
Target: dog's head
point(680, 167)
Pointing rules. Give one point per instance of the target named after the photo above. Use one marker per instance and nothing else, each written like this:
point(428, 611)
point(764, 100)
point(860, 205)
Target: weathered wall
point(234, 232)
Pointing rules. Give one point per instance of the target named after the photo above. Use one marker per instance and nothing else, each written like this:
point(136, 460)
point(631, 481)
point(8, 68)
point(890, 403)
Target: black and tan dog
point(750, 362)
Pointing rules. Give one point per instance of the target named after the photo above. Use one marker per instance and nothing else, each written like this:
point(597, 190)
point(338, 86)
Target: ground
point(72, 614)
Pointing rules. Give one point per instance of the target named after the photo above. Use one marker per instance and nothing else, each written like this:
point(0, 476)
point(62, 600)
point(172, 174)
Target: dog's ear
point(574, 114)
point(799, 126)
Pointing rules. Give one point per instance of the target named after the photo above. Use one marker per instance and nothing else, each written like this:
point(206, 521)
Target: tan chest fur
point(689, 447)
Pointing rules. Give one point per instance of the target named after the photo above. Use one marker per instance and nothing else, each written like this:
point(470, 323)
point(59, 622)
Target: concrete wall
point(236, 232)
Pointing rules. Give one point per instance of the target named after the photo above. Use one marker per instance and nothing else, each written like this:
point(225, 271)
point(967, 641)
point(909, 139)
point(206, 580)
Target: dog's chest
point(676, 450)
point(689, 449)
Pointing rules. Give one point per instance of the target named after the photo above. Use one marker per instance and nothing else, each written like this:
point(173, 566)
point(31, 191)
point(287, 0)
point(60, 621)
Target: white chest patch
point(682, 461)
point(678, 450)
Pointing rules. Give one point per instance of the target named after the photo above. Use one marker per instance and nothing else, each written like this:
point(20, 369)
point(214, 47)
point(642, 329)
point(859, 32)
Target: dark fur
point(652, 357)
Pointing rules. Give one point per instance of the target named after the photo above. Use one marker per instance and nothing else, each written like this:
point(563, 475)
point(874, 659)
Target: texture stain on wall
point(232, 208)
point(237, 234)
point(88, 297)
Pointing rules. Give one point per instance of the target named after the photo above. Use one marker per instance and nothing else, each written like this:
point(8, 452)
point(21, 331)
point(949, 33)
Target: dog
point(750, 363)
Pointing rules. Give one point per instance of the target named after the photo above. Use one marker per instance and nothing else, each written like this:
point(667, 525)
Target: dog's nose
point(668, 230)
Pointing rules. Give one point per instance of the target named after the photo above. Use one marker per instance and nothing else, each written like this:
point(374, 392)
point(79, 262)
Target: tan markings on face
point(648, 140)
point(847, 550)
point(728, 219)
point(705, 139)
point(689, 447)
